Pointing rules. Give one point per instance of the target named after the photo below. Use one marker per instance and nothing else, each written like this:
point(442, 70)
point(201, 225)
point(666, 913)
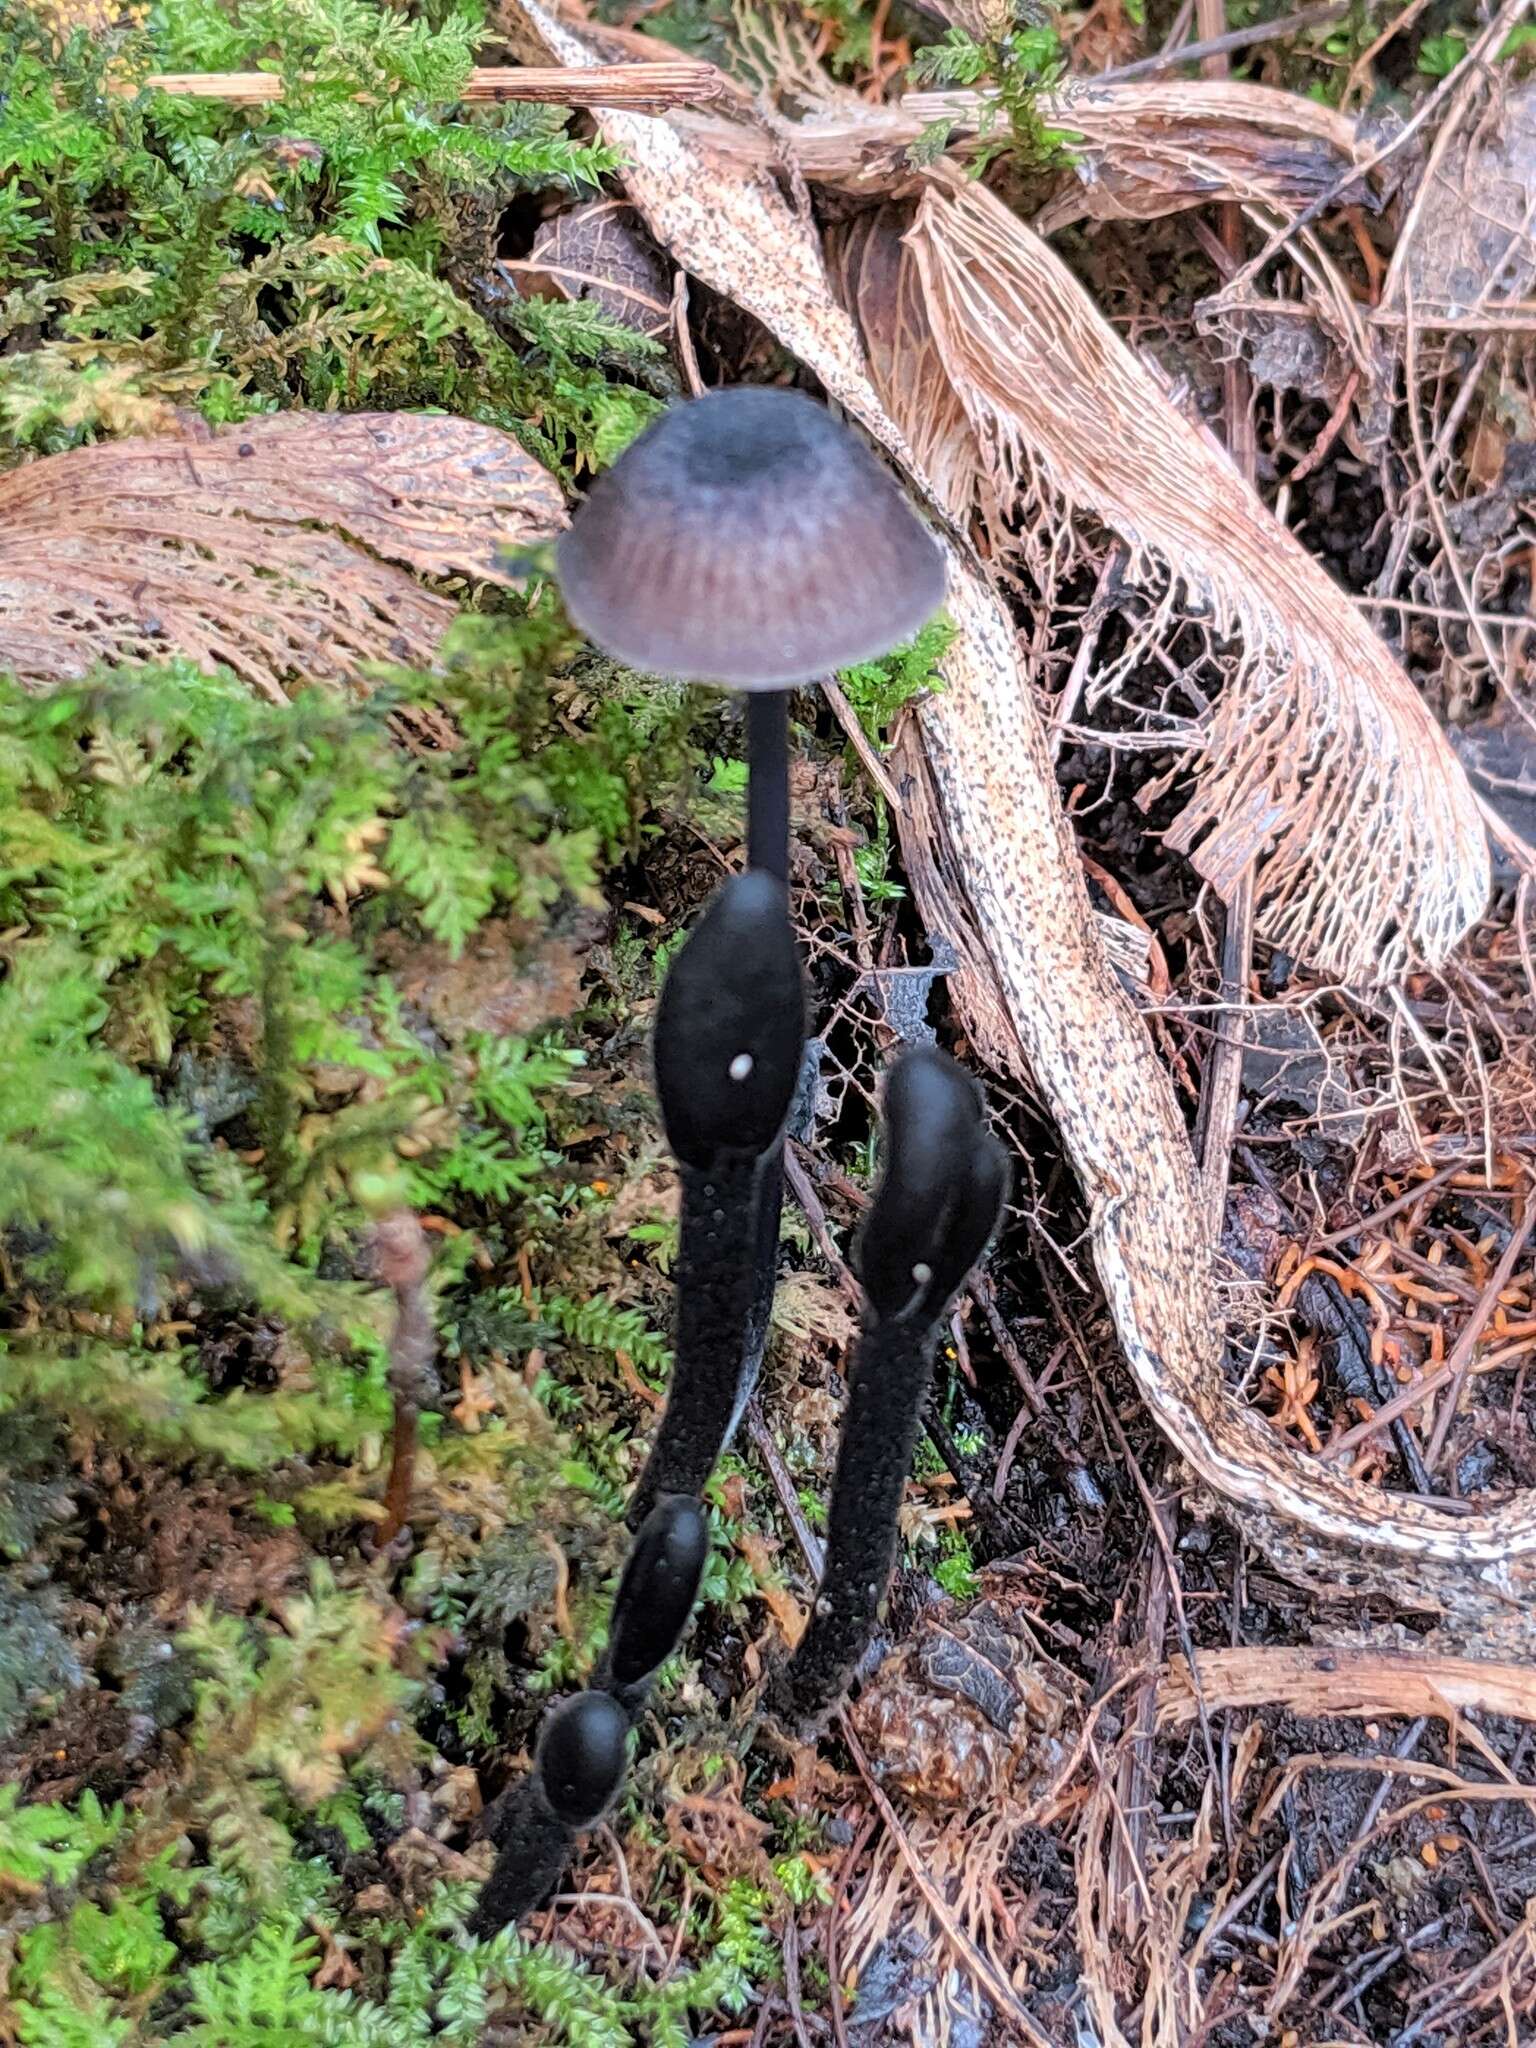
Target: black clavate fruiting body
point(943, 1189)
point(575, 1778)
point(730, 1033)
point(657, 1592)
point(580, 1763)
point(730, 1026)
point(938, 1197)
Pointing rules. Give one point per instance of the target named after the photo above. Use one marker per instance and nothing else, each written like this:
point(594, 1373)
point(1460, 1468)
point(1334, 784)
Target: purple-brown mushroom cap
point(748, 538)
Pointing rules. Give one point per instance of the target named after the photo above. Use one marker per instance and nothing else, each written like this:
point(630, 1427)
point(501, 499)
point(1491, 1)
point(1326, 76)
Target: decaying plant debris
point(282, 549)
point(1231, 1733)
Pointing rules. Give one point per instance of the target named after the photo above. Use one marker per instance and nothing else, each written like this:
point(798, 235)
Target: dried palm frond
point(1139, 149)
point(1322, 766)
point(284, 548)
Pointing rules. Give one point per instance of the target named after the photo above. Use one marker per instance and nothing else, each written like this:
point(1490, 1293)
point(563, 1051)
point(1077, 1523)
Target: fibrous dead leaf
point(878, 282)
point(1140, 149)
point(283, 548)
point(1322, 768)
point(1475, 239)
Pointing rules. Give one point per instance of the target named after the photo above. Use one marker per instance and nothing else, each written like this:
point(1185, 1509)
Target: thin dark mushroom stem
point(767, 850)
point(768, 782)
point(765, 1275)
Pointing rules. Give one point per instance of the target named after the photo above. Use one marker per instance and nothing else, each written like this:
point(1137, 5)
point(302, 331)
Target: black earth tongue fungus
point(581, 1755)
point(750, 539)
point(730, 1035)
point(943, 1189)
point(655, 1598)
point(575, 1778)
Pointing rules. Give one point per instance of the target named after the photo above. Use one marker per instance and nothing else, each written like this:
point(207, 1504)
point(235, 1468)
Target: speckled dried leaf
point(287, 549)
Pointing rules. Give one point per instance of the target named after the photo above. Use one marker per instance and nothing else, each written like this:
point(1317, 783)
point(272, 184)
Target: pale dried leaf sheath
point(1140, 149)
point(1322, 765)
point(287, 548)
point(1115, 1107)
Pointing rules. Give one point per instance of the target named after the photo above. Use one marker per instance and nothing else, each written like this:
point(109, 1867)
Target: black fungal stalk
point(575, 1778)
point(655, 1597)
point(580, 1762)
point(938, 1203)
point(730, 1033)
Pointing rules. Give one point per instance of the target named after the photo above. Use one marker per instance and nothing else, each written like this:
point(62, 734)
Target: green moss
point(335, 247)
point(226, 929)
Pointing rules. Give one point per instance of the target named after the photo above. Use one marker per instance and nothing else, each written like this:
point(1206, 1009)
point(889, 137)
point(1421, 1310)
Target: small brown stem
point(402, 1259)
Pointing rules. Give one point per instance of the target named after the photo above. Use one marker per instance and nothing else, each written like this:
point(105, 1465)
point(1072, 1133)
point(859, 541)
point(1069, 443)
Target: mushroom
point(749, 539)
point(730, 1029)
point(938, 1203)
point(575, 1778)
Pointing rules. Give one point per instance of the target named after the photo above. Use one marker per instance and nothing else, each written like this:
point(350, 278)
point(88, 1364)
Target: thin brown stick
point(1341, 1679)
point(861, 743)
point(784, 1487)
point(803, 1189)
point(1394, 28)
point(1386, 1212)
point(641, 88)
point(402, 1259)
point(1223, 45)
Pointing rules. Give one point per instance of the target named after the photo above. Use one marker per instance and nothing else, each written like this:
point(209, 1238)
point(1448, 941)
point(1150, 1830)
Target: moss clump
point(334, 247)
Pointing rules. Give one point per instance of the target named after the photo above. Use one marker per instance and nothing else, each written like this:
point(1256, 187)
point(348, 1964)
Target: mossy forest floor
point(272, 971)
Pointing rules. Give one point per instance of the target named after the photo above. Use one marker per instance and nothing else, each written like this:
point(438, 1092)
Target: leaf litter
point(291, 547)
